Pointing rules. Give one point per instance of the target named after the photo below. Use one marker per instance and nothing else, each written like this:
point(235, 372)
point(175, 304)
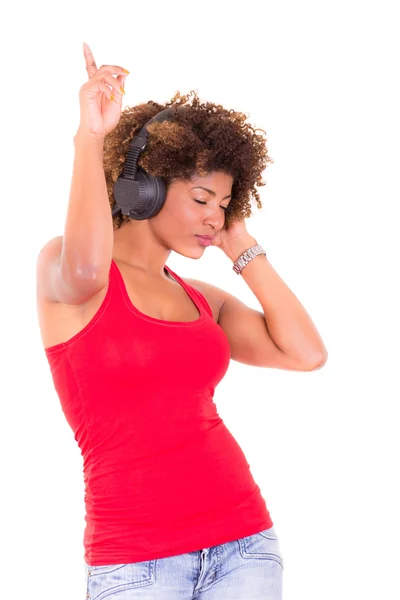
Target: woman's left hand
point(235, 240)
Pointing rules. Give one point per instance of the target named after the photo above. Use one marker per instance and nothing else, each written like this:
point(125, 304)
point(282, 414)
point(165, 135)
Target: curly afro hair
point(202, 139)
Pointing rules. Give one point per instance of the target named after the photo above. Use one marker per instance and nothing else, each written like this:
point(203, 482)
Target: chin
point(192, 252)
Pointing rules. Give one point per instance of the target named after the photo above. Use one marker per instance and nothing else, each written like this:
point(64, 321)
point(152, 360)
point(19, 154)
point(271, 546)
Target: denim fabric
point(246, 568)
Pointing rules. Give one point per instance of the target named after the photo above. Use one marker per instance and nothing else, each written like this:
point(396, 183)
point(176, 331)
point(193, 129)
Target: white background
point(322, 80)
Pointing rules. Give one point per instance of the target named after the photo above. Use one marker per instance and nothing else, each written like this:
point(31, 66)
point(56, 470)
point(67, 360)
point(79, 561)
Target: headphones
point(138, 194)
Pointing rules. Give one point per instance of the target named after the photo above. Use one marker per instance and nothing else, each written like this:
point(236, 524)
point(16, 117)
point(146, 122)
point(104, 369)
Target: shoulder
point(214, 295)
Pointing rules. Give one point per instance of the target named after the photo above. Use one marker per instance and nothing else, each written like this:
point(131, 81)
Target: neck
point(136, 246)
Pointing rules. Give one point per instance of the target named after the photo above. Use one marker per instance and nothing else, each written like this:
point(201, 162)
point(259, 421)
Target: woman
point(135, 351)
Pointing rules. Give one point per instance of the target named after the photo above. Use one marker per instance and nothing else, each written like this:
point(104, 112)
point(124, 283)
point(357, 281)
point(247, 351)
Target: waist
point(209, 471)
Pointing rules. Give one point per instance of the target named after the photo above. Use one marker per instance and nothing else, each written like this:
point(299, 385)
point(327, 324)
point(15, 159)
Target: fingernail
point(126, 71)
point(122, 89)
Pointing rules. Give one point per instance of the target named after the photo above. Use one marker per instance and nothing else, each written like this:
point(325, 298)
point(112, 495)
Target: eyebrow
point(209, 191)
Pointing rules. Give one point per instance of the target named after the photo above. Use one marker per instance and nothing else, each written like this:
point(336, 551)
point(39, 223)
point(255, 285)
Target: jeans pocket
point(264, 544)
point(104, 580)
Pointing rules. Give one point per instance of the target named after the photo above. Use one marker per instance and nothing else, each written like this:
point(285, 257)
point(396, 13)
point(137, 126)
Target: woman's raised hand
point(100, 106)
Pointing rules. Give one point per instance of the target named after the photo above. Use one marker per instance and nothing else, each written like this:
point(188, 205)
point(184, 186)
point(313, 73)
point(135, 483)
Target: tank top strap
point(116, 283)
point(203, 300)
point(193, 292)
point(120, 298)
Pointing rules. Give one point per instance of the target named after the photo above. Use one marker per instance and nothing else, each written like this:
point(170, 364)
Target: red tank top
point(163, 475)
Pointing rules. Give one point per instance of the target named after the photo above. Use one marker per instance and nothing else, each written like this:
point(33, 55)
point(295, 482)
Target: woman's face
point(183, 217)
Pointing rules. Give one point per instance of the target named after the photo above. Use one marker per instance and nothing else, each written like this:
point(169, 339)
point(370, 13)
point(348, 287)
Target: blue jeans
point(250, 567)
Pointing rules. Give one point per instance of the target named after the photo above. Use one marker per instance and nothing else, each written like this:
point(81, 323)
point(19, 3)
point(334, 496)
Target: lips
point(204, 240)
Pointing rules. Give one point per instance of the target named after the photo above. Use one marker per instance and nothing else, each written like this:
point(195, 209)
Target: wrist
point(239, 245)
point(86, 137)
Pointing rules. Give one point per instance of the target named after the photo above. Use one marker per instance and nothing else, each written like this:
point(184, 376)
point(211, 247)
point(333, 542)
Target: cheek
point(188, 213)
point(179, 215)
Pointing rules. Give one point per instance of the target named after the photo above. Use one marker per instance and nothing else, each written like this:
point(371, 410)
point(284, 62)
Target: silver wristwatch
point(246, 257)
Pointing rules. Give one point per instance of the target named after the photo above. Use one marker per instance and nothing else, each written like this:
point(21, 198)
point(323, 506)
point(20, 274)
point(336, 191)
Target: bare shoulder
point(214, 295)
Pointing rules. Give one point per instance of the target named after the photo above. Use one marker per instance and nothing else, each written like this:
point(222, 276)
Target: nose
point(214, 216)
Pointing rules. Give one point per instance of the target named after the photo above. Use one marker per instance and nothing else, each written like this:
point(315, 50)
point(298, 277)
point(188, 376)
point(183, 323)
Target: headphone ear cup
point(138, 194)
point(141, 198)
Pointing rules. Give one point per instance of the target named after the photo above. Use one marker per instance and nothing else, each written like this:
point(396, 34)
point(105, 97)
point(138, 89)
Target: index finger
point(91, 67)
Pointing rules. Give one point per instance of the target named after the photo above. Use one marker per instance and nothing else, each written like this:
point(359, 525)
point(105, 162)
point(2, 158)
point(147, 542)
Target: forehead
point(217, 179)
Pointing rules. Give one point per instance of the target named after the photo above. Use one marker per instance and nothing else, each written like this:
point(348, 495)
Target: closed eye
point(200, 202)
